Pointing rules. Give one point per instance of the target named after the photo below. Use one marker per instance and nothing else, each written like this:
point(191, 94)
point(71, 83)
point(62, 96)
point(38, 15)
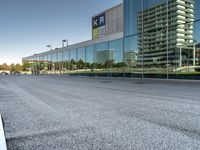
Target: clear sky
point(27, 26)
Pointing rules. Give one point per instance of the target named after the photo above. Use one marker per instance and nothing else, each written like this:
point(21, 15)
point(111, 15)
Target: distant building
point(104, 56)
point(130, 58)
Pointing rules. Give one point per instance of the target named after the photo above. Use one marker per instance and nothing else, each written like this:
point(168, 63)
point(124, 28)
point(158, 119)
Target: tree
point(18, 67)
point(80, 64)
point(11, 67)
point(26, 65)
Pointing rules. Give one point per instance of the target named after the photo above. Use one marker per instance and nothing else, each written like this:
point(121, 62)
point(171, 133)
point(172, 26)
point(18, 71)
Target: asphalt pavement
point(77, 113)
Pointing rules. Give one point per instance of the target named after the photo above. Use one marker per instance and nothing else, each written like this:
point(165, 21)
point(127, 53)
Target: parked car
point(4, 73)
point(17, 73)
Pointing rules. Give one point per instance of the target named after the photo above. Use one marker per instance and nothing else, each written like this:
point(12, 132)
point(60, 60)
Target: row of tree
point(12, 67)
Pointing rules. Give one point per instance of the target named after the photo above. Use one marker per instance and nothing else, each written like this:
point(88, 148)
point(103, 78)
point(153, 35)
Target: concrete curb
point(2, 135)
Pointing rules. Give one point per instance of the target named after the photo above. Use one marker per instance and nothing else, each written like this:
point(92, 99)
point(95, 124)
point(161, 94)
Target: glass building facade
point(160, 39)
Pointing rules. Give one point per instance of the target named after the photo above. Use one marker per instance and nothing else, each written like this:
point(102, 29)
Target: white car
point(4, 73)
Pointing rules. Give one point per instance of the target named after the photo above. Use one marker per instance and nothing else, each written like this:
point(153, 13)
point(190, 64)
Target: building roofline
point(81, 44)
point(107, 10)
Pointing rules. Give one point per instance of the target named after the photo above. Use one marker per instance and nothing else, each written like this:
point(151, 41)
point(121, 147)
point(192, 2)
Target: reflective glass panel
point(116, 57)
point(60, 56)
point(132, 61)
point(89, 60)
point(101, 58)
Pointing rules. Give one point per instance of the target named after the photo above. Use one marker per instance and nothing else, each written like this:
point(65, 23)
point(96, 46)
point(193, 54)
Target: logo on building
point(99, 26)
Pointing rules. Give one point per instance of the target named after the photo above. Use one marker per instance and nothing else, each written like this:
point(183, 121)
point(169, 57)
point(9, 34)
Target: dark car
point(4, 73)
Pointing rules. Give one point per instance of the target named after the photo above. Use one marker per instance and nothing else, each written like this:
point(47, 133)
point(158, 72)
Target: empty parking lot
point(60, 112)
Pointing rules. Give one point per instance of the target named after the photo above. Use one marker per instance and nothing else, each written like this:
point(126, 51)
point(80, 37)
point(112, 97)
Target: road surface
point(61, 113)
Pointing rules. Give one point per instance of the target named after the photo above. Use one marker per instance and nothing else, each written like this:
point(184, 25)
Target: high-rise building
point(163, 29)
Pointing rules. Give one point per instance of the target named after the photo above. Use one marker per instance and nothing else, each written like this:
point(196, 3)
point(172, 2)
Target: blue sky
point(27, 26)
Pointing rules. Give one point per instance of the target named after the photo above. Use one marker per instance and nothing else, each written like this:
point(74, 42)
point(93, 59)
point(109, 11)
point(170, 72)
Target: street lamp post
point(50, 46)
point(63, 42)
point(167, 39)
point(63, 45)
point(194, 54)
point(180, 63)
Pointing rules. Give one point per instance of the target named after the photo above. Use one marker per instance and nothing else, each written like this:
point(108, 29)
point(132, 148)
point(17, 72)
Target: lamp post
point(63, 45)
point(50, 46)
point(167, 39)
point(64, 41)
point(194, 55)
point(180, 59)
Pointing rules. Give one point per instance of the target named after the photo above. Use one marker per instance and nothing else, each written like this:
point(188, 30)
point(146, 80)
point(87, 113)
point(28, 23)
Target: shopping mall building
point(143, 38)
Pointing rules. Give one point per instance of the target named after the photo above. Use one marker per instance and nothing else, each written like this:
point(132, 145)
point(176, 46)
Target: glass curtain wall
point(66, 61)
point(132, 38)
point(81, 60)
point(54, 60)
point(59, 61)
point(73, 61)
point(185, 62)
point(41, 64)
point(89, 62)
point(131, 66)
point(164, 35)
point(38, 65)
point(50, 68)
point(116, 58)
point(35, 68)
point(45, 70)
point(154, 39)
point(102, 55)
point(197, 42)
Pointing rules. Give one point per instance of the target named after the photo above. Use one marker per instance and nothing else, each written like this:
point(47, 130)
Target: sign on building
point(99, 26)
